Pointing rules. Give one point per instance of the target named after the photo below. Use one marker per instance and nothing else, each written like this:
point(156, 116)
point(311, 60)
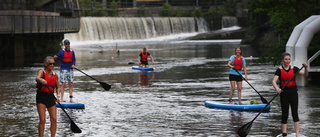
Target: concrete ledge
point(27, 13)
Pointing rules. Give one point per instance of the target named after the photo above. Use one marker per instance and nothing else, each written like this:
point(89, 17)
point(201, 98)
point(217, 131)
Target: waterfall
point(228, 21)
point(135, 28)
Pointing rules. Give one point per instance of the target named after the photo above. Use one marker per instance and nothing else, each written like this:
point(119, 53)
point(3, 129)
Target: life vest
point(144, 57)
point(51, 82)
point(286, 76)
point(238, 63)
point(67, 56)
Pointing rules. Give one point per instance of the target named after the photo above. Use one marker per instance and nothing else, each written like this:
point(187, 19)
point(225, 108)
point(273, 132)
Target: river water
point(168, 101)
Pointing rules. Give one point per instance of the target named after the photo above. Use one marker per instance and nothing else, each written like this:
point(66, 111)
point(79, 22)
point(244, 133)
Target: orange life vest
point(67, 56)
point(144, 57)
point(286, 76)
point(238, 63)
point(51, 82)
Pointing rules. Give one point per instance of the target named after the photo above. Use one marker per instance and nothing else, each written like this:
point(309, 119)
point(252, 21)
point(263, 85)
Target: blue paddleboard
point(138, 68)
point(71, 105)
point(242, 107)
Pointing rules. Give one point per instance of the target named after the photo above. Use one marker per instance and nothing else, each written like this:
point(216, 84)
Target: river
point(168, 101)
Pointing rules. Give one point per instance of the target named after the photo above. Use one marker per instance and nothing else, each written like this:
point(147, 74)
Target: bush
point(166, 12)
point(142, 11)
point(114, 5)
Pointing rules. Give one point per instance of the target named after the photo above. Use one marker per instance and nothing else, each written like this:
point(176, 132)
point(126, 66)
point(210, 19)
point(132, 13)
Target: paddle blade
point(245, 129)
point(75, 128)
point(264, 101)
point(105, 85)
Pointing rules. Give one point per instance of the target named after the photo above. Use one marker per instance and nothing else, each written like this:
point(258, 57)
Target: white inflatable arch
point(299, 41)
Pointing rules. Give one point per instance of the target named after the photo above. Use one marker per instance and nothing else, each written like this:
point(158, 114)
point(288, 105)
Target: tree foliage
point(283, 16)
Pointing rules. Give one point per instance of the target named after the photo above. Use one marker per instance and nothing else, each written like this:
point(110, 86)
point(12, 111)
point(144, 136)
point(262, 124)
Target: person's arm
point(39, 78)
point(58, 88)
point(152, 59)
point(229, 64)
point(275, 85)
point(305, 72)
point(245, 72)
point(73, 60)
point(58, 56)
point(139, 58)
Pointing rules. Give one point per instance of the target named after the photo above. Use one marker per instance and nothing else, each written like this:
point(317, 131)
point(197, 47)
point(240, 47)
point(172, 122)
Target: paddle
point(74, 127)
point(245, 129)
point(264, 101)
point(103, 84)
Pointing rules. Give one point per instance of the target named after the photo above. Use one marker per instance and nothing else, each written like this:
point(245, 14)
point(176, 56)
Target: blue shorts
point(66, 75)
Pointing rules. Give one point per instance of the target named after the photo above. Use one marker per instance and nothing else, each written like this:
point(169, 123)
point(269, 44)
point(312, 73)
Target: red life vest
point(144, 57)
point(51, 82)
point(67, 56)
point(286, 76)
point(237, 63)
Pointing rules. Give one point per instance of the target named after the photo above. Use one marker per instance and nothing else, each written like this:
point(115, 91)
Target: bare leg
point(233, 84)
point(42, 116)
point(140, 65)
point(239, 87)
point(284, 128)
point(296, 127)
point(147, 66)
point(70, 91)
point(53, 119)
point(63, 85)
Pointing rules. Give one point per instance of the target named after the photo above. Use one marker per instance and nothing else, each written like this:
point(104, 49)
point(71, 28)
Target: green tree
point(114, 5)
point(283, 16)
point(166, 12)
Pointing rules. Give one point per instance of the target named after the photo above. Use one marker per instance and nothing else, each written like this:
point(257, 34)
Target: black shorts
point(144, 62)
point(46, 99)
point(235, 77)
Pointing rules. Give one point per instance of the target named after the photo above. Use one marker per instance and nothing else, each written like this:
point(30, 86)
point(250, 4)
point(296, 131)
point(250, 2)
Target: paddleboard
point(242, 107)
point(138, 68)
point(291, 135)
point(71, 105)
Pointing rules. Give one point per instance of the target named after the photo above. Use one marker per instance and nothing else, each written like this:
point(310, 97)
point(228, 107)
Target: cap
point(66, 41)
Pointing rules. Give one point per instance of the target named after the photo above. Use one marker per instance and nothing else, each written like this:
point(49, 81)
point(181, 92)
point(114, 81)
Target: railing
point(23, 24)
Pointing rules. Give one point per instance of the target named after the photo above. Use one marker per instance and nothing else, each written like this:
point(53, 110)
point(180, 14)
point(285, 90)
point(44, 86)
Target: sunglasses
point(52, 64)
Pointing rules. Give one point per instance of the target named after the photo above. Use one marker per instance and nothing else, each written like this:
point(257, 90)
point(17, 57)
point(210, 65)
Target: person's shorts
point(46, 99)
point(144, 62)
point(235, 77)
point(66, 76)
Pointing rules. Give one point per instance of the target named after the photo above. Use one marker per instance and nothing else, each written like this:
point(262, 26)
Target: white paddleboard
point(291, 135)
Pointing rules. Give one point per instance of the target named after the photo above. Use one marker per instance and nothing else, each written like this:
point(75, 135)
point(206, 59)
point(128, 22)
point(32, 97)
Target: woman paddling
point(236, 63)
point(47, 79)
point(289, 95)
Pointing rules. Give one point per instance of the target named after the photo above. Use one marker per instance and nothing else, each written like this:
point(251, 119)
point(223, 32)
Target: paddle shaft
point(82, 72)
point(87, 75)
point(58, 102)
point(277, 93)
point(262, 99)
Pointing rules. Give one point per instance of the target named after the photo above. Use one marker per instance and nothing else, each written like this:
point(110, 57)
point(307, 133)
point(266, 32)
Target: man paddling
point(68, 62)
point(143, 58)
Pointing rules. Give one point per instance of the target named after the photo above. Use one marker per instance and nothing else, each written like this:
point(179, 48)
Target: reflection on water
point(145, 78)
point(168, 101)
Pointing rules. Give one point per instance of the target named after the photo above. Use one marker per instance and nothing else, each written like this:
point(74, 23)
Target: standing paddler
point(143, 58)
point(289, 94)
point(236, 62)
point(68, 62)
